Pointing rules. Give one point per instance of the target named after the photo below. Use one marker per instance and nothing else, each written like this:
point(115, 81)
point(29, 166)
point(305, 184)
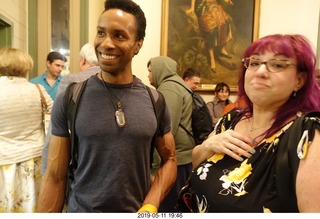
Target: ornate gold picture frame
point(209, 38)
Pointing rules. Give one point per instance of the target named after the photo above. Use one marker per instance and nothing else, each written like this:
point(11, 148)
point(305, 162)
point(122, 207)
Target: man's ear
point(47, 64)
point(82, 61)
point(138, 46)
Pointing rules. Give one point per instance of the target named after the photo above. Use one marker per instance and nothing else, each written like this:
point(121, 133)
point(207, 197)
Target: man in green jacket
point(163, 76)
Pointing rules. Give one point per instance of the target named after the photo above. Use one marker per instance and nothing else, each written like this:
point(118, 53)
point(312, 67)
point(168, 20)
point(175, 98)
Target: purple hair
point(296, 46)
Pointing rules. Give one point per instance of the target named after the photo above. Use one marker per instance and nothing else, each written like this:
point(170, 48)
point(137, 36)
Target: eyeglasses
point(273, 65)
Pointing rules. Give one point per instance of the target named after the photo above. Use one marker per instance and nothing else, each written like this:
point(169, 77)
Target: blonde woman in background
point(21, 132)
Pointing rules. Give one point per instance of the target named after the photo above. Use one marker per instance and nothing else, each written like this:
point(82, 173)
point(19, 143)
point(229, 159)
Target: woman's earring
point(294, 93)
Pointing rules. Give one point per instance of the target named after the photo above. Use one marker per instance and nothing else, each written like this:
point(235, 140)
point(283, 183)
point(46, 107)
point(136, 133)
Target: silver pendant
point(120, 118)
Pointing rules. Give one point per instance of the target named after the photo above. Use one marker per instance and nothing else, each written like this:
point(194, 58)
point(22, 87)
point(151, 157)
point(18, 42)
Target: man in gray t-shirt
point(115, 124)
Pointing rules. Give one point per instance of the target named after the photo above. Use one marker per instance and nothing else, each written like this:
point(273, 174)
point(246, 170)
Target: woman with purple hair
point(265, 157)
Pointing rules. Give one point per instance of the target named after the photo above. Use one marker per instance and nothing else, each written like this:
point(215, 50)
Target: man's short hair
point(190, 73)
point(56, 56)
point(131, 8)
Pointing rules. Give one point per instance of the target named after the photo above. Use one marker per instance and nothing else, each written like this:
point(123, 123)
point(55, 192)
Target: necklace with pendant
point(119, 113)
point(251, 129)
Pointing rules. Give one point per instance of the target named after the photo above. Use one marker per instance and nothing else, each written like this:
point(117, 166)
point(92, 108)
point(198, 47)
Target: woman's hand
point(229, 142)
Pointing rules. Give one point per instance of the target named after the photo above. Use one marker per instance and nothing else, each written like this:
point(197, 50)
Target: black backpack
point(201, 118)
point(71, 101)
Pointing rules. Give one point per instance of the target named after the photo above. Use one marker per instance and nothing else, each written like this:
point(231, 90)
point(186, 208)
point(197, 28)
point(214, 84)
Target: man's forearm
point(51, 196)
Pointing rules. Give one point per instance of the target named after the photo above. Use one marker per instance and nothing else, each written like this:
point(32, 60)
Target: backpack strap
point(158, 103)
point(191, 92)
point(74, 93)
point(71, 101)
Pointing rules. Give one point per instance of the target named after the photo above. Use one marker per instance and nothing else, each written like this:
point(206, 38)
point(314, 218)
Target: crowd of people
point(261, 155)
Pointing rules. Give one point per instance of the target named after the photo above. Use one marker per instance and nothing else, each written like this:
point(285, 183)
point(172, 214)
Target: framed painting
point(209, 36)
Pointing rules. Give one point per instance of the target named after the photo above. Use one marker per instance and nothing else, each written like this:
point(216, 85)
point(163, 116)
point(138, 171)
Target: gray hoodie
point(179, 102)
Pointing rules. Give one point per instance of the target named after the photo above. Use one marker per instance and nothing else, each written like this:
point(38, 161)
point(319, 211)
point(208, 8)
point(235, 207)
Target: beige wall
point(44, 34)
point(95, 10)
point(151, 44)
point(290, 16)
point(285, 16)
point(17, 12)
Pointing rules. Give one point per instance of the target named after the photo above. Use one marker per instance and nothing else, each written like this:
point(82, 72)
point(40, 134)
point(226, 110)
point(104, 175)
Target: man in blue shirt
point(88, 66)
point(50, 79)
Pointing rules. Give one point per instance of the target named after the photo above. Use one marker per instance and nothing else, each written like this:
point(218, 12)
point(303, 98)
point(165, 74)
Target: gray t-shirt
point(113, 173)
point(65, 81)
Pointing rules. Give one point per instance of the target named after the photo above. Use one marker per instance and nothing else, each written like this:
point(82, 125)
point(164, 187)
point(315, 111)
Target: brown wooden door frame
point(6, 29)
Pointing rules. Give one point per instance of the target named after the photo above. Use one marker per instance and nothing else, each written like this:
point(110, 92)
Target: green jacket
point(179, 102)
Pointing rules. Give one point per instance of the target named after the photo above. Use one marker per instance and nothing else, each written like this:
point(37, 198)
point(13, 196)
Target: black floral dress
point(250, 185)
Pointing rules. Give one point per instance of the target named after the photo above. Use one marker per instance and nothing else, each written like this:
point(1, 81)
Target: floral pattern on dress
point(19, 186)
point(236, 180)
point(202, 171)
point(202, 204)
point(219, 185)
